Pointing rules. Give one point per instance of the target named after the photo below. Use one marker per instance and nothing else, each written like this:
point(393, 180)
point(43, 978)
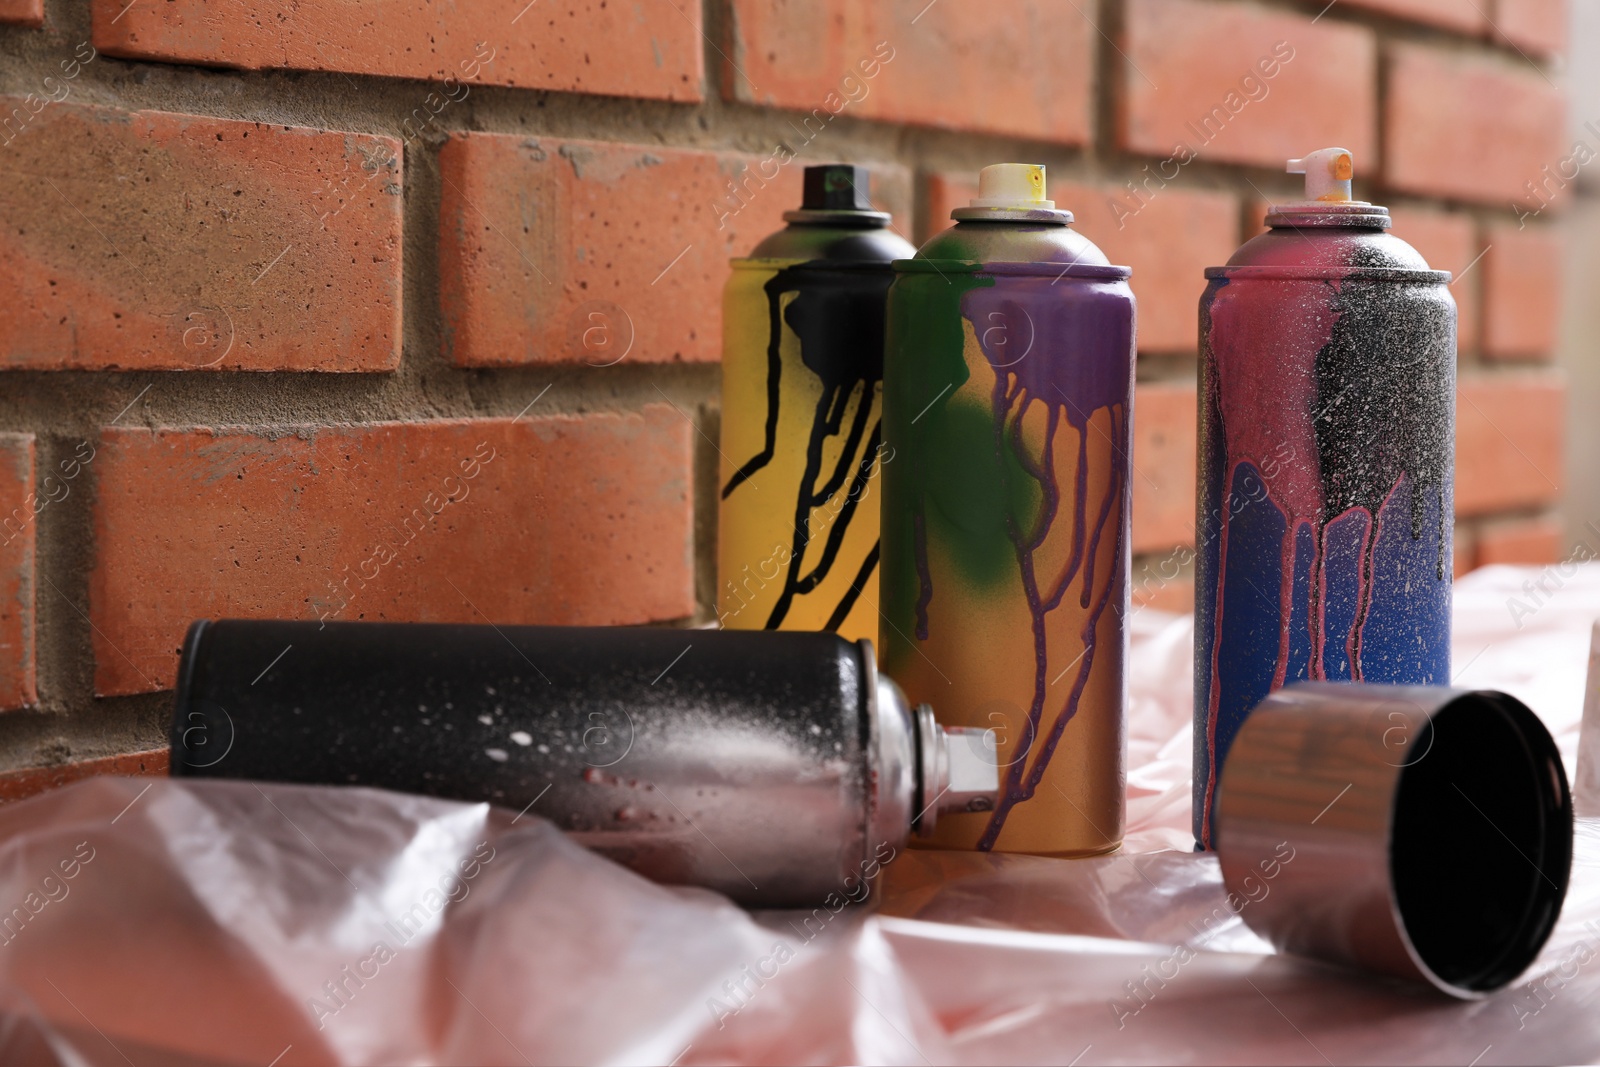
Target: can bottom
point(1069, 854)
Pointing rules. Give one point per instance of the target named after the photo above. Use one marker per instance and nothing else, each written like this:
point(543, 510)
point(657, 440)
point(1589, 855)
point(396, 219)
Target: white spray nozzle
point(1327, 172)
point(1012, 185)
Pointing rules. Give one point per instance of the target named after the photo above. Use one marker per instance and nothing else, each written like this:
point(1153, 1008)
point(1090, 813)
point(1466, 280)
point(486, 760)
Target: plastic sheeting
point(172, 922)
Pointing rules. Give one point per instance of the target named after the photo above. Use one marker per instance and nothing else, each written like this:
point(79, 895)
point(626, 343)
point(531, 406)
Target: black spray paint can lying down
point(778, 768)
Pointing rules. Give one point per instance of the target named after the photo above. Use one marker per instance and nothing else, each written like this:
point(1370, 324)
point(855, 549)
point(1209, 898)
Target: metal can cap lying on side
point(1416, 831)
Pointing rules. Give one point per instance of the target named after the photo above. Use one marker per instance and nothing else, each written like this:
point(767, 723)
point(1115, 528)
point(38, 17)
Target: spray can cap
point(835, 187)
point(835, 194)
point(1014, 192)
point(1329, 202)
point(1328, 172)
point(1012, 185)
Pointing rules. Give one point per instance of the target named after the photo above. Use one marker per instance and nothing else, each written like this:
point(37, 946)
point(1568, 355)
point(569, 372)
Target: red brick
point(572, 520)
point(1448, 242)
point(1510, 432)
point(17, 530)
point(174, 242)
point(22, 12)
point(1522, 292)
point(1467, 126)
point(1191, 59)
point(1520, 541)
point(1537, 26)
point(1013, 67)
point(652, 48)
point(1163, 465)
point(537, 237)
point(1169, 241)
point(1464, 15)
point(19, 785)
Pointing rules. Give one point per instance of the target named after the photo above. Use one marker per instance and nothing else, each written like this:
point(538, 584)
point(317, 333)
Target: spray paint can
point(1326, 444)
point(1008, 403)
point(802, 373)
point(776, 768)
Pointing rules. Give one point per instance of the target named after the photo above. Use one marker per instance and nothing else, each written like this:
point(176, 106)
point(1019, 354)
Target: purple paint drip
point(1035, 336)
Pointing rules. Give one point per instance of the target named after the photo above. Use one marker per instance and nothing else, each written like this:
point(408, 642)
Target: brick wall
point(315, 313)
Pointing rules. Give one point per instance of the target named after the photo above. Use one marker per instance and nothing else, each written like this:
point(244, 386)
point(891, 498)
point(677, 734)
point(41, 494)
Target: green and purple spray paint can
point(1008, 403)
point(1326, 437)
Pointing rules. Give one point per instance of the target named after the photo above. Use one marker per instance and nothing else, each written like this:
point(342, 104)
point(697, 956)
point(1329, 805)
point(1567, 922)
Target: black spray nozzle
point(836, 187)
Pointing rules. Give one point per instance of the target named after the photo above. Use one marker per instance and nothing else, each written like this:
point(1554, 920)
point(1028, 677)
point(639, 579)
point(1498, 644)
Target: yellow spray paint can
point(802, 443)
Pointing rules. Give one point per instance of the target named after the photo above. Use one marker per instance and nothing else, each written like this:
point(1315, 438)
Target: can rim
point(1535, 931)
point(782, 263)
point(1039, 270)
point(1389, 274)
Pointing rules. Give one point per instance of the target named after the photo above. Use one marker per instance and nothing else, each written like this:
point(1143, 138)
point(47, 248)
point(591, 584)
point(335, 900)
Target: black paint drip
point(838, 317)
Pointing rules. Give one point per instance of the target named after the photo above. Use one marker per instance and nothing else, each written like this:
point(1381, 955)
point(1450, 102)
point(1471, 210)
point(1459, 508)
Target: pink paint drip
point(1263, 415)
point(1369, 547)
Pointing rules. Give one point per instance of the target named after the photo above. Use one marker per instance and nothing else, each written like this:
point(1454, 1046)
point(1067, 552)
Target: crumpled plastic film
point(178, 922)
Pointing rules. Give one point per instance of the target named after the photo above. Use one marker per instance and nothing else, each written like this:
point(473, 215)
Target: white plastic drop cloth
point(172, 922)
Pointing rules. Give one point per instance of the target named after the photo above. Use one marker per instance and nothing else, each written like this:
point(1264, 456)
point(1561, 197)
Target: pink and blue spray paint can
point(1008, 408)
point(1326, 458)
